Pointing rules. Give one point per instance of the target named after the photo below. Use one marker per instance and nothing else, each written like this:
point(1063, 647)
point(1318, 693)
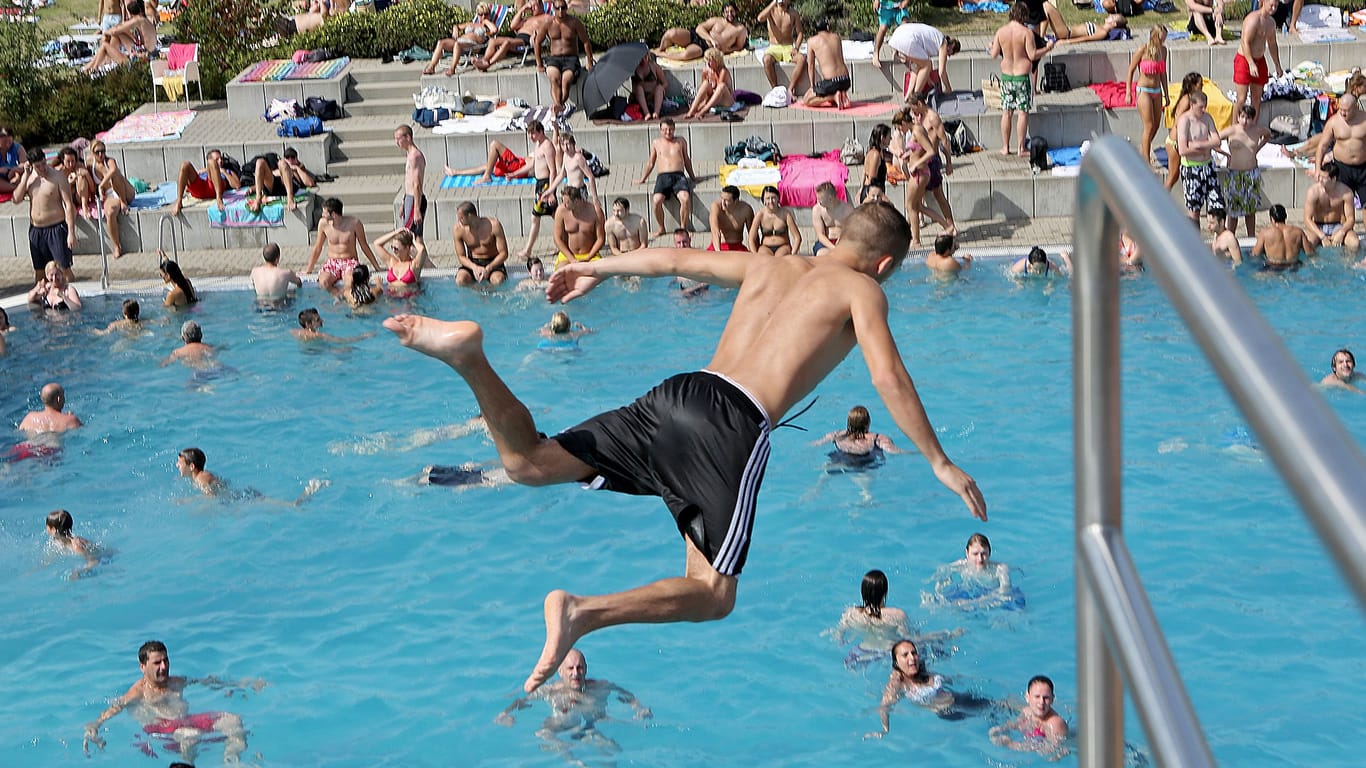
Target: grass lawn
point(64, 13)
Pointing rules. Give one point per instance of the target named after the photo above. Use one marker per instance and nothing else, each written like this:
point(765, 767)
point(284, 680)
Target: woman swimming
point(910, 679)
point(976, 582)
point(874, 626)
point(59, 524)
point(1039, 727)
point(857, 449)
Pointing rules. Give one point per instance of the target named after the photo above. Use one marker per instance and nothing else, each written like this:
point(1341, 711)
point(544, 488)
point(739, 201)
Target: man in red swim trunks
point(501, 162)
point(162, 710)
point(208, 184)
point(730, 218)
point(1249, 63)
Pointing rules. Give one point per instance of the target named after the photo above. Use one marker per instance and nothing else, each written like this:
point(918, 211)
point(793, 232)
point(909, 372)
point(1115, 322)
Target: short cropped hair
point(271, 253)
point(195, 457)
point(151, 645)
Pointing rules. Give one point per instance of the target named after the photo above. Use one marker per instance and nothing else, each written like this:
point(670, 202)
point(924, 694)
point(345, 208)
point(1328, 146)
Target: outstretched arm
point(893, 383)
point(723, 269)
point(92, 729)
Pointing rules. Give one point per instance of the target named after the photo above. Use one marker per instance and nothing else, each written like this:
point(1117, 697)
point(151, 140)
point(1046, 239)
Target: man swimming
point(700, 440)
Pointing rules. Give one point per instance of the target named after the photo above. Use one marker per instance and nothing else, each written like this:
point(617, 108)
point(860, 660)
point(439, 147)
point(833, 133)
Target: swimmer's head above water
point(1036, 263)
point(1344, 364)
point(310, 320)
point(559, 322)
point(978, 551)
point(190, 460)
point(858, 422)
point(191, 333)
point(874, 591)
point(59, 524)
point(906, 662)
point(131, 310)
point(536, 268)
point(1277, 214)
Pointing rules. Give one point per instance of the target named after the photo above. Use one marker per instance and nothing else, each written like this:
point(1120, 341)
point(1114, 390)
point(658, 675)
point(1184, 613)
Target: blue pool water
point(393, 622)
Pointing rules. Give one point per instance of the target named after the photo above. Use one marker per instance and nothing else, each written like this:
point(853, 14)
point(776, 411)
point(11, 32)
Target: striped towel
point(275, 70)
point(463, 182)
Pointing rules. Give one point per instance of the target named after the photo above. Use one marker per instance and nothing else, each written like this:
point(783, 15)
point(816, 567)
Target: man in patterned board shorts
point(1196, 140)
point(1014, 44)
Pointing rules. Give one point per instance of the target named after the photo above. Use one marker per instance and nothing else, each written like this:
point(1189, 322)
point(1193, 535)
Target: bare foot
point(483, 179)
point(453, 343)
point(118, 254)
point(657, 233)
point(481, 64)
point(429, 71)
point(1005, 152)
point(1022, 152)
point(450, 71)
point(560, 635)
point(175, 211)
point(291, 205)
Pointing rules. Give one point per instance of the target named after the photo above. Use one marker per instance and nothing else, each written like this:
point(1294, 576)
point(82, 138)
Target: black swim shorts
point(1354, 176)
point(671, 183)
point(564, 64)
point(699, 442)
point(49, 244)
point(831, 86)
point(698, 40)
point(539, 208)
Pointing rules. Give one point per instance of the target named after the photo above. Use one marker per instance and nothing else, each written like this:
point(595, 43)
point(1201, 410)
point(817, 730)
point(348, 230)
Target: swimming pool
point(393, 622)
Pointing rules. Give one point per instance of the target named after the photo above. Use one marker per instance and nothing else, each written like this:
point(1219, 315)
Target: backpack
point(299, 127)
point(228, 164)
point(324, 109)
point(428, 118)
point(1128, 7)
point(961, 141)
point(319, 54)
point(753, 147)
point(595, 165)
point(1038, 154)
point(1055, 77)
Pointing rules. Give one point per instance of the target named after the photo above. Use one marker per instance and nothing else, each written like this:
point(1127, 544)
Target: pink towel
point(801, 175)
point(298, 57)
point(180, 54)
point(1112, 95)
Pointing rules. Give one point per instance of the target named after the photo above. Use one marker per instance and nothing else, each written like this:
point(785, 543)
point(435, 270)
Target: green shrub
point(51, 106)
point(231, 34)
point(373, 35)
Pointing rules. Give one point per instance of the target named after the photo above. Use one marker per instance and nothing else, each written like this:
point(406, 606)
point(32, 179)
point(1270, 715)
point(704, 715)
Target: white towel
point(754, 177)
point(473, 124)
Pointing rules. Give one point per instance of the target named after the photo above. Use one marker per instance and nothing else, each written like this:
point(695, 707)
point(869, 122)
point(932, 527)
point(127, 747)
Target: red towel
point(180, 54)
point(1113, 95)
point(801, 175)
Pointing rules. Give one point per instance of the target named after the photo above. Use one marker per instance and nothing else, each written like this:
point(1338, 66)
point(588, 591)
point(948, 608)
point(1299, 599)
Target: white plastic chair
point(186, 54)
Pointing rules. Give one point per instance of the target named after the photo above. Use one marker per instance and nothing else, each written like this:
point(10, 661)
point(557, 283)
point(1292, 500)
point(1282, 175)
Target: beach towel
point(668, 63)
point(751, 179)
point(1065, 156)
point(1320, 17)
point(856, 50)
point(468, 180)
point(801, 175)
point(855, 109)
point(990, 6)
point(275, 70)
point(1112, 94)
point(1273, 156)
point(1220, 107)
point(473, 124)
point(1314, 36)
point(154, 126)
point(164, 194)
point(236, 215)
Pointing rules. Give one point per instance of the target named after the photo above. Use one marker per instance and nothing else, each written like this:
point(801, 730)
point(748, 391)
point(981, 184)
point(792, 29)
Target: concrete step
point(399, 108)
point(363, 190)
point(370, 128)
point(381, 90)
point(371, 71)
point(367, 166)
point(356, 149)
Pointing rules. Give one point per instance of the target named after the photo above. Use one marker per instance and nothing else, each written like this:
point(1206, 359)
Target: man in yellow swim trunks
point(784, 38)
point(580, 231)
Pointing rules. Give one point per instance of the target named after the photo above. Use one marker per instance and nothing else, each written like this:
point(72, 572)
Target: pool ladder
point(162, 224)
point(1316, 457)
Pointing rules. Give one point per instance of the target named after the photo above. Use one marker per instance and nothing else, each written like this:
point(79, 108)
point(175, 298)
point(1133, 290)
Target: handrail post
point(1096, 442)
point(161, 236)
point(99, 235)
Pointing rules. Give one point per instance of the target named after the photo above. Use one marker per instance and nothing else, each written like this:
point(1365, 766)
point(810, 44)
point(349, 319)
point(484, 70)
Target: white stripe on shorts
point(728, 556)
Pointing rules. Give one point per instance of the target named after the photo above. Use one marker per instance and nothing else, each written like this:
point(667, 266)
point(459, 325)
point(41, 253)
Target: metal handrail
point(99, 233)
point(164, 220)
point(1319, 461)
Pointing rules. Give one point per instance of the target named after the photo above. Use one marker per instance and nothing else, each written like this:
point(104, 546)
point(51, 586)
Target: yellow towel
point(1220, 108)
point(668, 63)
point(756, 190)
point(174, 85)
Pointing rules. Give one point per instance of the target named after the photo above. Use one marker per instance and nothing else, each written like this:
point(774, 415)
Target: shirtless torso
point(1328, 202)
point(730, 221)
point(1281, 246)
point(482, 241)
point(626, 231)
point(725, 34)
point(578, 229)
point(341, 235)
point(49, 195)
point(1014, 43)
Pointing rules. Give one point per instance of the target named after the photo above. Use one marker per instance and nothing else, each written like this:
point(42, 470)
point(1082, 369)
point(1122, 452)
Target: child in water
point(976, 582)
point(129, 321)
point(59, 524)
point(561, 333)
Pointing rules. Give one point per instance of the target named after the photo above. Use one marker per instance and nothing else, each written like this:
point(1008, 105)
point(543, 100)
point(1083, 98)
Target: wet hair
point(858, 422)
point(68, 152)
point(60, 521)
point(773, 189)
point(1277, 213)
point(1343, 351)
point(1020, 12)
point(732, 190)
point(879, 135)
point(150, 646)
point(978, 538)
point(573, 193)
point(903, 116)
point(669, 121)
point(305, 315)
point(405, 239)
point(466, 209)
point(405, 131)
point(821, 24)
point(922, 675)
point(1330, 168)
point(136, 7)
point(35, 153)
point(51, 394)
point(623, 202)
point(943, 244)
point(270, 252)
point(952, 44)
point(1193, 82)
point(360, 285)
point(559, 322)
point(131, 309)
point(682, 231)
point(879, 229)
point(1036, 256)
point(195, 457)
point(1247, 111)
point(874, 590)
point(4, 319)
point(179, 279)
point(1045, 679)
point(534, 260)
point(191, 332)
point(333, 205)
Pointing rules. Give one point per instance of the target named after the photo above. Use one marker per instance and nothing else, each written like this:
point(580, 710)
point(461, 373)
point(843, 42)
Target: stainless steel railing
point(1319, 461)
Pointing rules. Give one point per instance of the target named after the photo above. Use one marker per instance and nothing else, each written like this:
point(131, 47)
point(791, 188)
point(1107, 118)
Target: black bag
point(228, 164)
point(272, 160)
point(326, 109)
point(1038, 154)
point(961, 141)
point(1128, 7)
point(1055, 77)
point(320, 54)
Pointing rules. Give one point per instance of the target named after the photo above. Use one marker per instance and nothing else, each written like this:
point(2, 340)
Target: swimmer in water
point(382, 442)
point(577, 703)
point(159, 705)
point(975, 582)
point(560, 333)
point(310, 324)
point(190, 464)
point(463, 476)
point(1039, 728)
point(194, 352)
point(59, 524)
point(5, 328)
point(1037, 264)
point(857, 449)
point(535, 279)
point(129, 322)
point(874, 626)
point(50, 420)
point(1344, 374)
point(910, 679)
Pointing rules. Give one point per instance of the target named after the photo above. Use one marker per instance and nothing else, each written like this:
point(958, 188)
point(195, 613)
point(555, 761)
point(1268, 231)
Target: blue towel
point(1065, 156)
point(163, 194)
point(462, 182)
point(989, 6)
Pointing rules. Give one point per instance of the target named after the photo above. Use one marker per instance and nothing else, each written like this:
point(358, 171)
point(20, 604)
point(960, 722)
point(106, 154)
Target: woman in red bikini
point(406, 260)
point(1039, 728)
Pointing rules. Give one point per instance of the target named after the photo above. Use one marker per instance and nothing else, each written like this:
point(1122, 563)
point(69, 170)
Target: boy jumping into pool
point(700, 440)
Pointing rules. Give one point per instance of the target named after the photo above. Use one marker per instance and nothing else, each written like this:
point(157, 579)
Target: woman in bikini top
point(406, 260)
point(1150, 94)
point(774, 229)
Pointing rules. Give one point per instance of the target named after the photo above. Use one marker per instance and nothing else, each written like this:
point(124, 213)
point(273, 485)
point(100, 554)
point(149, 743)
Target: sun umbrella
point(609, 71)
